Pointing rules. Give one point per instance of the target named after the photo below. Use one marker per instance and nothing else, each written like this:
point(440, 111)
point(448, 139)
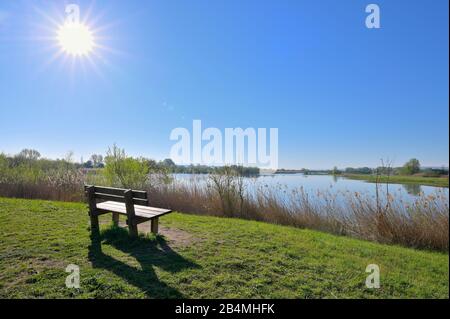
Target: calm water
point(312, 184)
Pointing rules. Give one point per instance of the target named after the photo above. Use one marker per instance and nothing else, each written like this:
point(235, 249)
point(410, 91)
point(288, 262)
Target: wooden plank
point(115, 219)
point(143, 211)
point(122, 211)
point(109, 197)
point(118, 191)
point(107, 210)
point(141, 207)
point(95, 228)
point(152, 211)
point(110, 208)
point(154, 226)
point(140, 216)
point(136, 201)
point(132, 226)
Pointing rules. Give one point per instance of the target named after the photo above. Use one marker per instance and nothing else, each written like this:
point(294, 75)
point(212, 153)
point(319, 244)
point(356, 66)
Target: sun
point(79, 44)
point(75, 39)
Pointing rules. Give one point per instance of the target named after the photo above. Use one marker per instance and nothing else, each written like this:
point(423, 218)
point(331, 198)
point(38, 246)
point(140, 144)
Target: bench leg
point(154, 226)
point(115, 219)
point(95, 228)
point(132, 228)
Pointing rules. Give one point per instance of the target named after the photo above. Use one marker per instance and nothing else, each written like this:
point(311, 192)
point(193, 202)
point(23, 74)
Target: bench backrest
point(117, 195)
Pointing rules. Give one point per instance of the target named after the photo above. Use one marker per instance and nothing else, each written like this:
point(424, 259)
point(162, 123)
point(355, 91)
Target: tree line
point(98, 161)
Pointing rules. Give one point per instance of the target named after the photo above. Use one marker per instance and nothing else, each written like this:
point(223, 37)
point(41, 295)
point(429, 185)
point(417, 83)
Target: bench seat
point(140, 211)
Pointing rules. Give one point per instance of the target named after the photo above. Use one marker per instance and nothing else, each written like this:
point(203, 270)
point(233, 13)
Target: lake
point(284, 184)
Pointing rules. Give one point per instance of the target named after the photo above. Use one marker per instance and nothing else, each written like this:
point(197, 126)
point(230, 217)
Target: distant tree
point(29, 154)
point(88, 164)
point(411, 167)
point(152, 164)
point(365, 170)
point(97, 160)
point(168, 162)
point(359, 170)
point(335, 171)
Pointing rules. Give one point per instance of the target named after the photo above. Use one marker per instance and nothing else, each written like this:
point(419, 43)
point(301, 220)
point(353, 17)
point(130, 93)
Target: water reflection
point(413, 189)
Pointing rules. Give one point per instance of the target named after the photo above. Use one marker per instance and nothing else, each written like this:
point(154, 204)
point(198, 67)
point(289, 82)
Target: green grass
point(222, 258)
point(401, 179)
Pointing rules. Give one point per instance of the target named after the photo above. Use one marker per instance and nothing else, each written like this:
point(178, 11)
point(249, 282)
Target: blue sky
point(339, 93)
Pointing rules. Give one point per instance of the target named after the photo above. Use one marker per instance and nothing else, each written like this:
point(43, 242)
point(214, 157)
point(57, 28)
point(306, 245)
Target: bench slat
point(136, 201)
point(117, 191)
point(141, 207)
point(138, 208)
point(140, 211)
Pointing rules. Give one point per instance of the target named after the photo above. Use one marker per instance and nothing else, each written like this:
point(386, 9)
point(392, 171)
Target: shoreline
point(395, 179)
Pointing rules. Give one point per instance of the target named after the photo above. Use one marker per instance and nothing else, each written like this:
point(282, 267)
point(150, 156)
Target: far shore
point(401, 179)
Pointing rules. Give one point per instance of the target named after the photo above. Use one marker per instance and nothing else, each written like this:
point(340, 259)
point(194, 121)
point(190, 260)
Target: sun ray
point(54, 22)
point(95, 20)
point(95, 67)
point(110, 50)
point(55, 56)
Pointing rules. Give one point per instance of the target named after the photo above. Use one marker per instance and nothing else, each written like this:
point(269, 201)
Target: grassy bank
point(200, 257)
point(400, 179)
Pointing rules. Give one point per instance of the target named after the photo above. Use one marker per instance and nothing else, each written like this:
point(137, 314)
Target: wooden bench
point(134, 204)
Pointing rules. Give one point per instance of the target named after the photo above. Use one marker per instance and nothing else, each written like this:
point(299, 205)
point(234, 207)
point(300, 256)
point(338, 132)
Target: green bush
point(124, 171)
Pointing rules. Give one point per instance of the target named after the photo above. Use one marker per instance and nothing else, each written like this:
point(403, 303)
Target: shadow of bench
point(149, 253)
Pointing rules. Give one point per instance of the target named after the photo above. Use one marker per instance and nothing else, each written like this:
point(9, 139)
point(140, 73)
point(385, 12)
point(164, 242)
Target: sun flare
point(75, 39)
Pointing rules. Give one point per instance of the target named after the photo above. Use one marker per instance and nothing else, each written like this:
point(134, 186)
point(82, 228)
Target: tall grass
point(30, 180)
point(421, 224)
